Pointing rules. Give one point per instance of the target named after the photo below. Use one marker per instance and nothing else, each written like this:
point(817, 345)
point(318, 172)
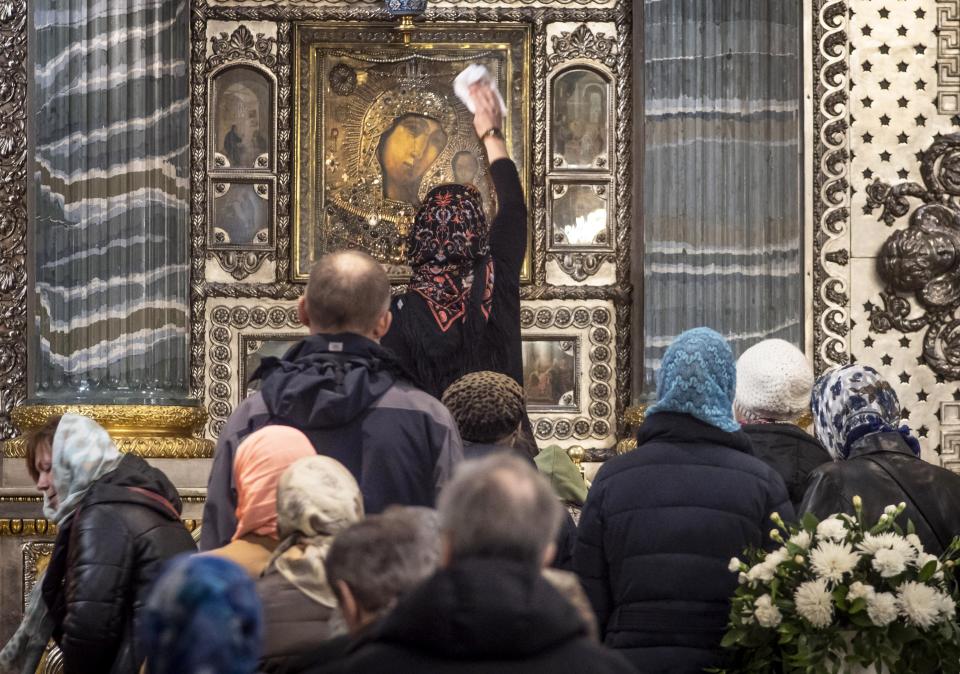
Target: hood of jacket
point(482, 609)
point(326, 381)
point(136, 481)
point(673, 427)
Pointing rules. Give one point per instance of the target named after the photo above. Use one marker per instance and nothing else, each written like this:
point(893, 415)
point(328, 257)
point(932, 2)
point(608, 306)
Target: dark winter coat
point(293, 623)
point(657, 533)
point(350, 398)
point(883, 471)
point(483, 615)
point(104, 561)
point(790, 451)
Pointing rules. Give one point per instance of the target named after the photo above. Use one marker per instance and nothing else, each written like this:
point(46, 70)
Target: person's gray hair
point(385, 556)
point(499, 507)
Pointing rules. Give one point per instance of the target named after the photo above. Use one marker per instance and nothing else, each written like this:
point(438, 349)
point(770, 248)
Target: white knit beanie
point(774, 382)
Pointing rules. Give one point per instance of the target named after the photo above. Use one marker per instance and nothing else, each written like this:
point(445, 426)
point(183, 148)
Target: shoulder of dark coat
point(405, 396)
point(647, 456)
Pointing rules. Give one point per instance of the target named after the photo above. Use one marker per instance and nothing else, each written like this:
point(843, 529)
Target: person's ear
point(302, 312)
point(383, 324)
point(348, 606)
point(548, 554)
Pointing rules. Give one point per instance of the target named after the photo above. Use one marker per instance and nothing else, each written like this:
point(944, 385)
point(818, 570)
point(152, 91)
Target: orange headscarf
point(260, 461)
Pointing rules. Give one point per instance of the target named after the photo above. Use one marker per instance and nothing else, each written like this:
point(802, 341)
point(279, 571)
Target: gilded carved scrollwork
point(13, 211)
point(923, 259)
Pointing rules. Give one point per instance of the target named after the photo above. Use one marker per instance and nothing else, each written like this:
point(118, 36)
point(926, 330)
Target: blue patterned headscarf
point(203, 615)
point(852, 402)
point(698, 376)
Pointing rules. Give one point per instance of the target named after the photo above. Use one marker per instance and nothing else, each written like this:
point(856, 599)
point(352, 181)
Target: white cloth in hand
point(473, 74)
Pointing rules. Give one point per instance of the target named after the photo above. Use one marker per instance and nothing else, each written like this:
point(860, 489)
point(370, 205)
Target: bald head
point(499, 507)
point(348, 291)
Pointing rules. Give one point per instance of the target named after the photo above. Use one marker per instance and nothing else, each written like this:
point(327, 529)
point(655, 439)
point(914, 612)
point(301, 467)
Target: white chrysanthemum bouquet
point(838, 596)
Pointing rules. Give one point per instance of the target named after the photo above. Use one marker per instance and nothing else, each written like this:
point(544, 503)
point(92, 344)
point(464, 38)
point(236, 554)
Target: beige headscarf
point(317, 498)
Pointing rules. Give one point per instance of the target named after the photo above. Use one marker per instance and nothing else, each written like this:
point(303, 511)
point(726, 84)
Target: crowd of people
point(385, 509)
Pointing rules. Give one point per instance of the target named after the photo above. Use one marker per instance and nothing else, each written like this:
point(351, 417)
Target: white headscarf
point(317, 498)
point(82, 453)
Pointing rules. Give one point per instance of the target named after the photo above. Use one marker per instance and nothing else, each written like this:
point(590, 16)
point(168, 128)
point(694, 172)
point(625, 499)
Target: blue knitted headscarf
point(698, 376)
point(852, 402)
point(203, 615)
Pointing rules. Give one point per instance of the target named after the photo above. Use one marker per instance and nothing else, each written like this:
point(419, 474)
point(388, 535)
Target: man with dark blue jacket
point(348, 395)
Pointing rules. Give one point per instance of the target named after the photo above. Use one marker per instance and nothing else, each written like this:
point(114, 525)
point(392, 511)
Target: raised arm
point(508, 235)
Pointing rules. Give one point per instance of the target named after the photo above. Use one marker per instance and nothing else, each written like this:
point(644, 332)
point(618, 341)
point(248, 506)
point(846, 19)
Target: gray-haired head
point(499, 507)
point(385, 556)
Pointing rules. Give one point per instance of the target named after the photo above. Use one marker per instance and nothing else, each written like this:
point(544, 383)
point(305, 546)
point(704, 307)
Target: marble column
point(110, 199)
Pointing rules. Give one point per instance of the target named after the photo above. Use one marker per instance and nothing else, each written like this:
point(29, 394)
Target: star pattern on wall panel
point(894, 117)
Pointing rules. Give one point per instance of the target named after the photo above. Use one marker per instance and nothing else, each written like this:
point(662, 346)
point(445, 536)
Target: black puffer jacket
point(657, 533)
point(790, 451)
point(883, 471)
point(104, 561)
point(482, 616)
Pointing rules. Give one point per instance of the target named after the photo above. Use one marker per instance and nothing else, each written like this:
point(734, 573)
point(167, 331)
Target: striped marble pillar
point(110, 201)
point(722, 193)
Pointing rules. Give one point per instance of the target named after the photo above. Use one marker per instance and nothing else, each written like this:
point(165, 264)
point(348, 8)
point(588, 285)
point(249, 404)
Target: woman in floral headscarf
point(461, 311)
point(857, 418)
point(317, 498)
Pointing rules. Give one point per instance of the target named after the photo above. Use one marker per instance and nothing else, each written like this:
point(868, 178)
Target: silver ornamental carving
point(923, 260)
point(13, 211)
point(831, 188)
point(584, 43)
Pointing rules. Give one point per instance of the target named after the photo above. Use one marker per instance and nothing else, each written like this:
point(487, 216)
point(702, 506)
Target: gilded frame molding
point(384, 44)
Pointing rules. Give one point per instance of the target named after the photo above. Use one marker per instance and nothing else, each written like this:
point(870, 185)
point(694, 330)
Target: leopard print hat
point(487, 406)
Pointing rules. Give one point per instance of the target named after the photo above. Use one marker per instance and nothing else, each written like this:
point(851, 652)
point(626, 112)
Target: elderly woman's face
point(44, 466)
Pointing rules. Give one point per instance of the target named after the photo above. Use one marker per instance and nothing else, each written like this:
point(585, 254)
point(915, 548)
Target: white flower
point(832, 529)
point(762, 572)
point(831, 561)
point(914, 540)
point(882, 608)
point(776, 557)
point(919, 603)
point(860, 590)
point(767, 614)
point(946, 606)
point(889, 562)
point(890, 510)
point(813, 603)
point(734, 565)
point(801, 540)
point(742, 578)
point(873, 543)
